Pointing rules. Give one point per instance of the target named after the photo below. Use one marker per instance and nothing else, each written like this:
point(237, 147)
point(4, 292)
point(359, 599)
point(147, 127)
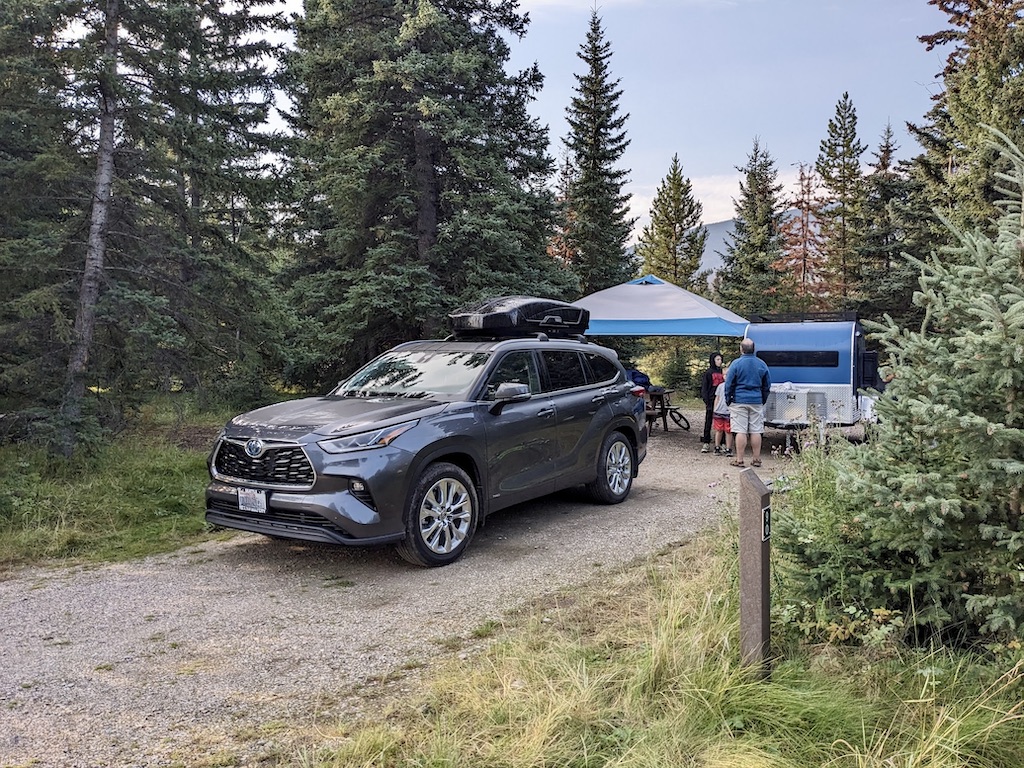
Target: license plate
point(252, 500)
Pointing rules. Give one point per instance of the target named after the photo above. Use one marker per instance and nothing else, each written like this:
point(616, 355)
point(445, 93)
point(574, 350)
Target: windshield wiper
point(366, 393)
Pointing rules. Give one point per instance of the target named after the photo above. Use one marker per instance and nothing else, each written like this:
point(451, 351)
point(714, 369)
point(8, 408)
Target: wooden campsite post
point(755, 532)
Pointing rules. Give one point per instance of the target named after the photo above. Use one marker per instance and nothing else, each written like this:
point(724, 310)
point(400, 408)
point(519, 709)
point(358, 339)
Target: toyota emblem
point(254, 448)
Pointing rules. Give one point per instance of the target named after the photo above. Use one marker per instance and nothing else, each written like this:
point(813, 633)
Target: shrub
point(928, 523)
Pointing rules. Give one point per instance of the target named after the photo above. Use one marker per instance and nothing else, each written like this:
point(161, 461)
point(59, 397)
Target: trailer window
point(801, 359)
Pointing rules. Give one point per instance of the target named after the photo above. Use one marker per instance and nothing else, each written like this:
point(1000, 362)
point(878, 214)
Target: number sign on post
point(755, 532)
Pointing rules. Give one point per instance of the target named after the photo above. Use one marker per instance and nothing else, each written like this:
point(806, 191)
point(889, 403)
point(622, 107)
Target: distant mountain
point(715, 245)
point(717, 242)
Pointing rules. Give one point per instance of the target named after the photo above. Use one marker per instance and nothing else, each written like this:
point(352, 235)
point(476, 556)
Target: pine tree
point(932, 524)
point(672, 244)
point(838, 166)
point(802, 263)
point(747, 283)
point(596, 142)
point(422, 178)
point(983, 85)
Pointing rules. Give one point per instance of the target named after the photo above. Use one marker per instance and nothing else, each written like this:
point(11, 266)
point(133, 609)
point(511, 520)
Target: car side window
point(565, 370)
point(601, 368)
point(515, 367)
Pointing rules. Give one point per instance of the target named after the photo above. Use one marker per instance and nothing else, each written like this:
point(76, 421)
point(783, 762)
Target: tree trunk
point(427, 195)
point(428, 201)
point(85, 316)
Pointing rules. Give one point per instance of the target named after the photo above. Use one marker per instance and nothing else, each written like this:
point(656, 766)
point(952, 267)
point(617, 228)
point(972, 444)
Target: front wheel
point(441, 517)
point(614, 470)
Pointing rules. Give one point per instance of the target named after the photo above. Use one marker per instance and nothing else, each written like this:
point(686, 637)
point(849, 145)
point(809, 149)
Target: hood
point(711, 361)
point(328, 416)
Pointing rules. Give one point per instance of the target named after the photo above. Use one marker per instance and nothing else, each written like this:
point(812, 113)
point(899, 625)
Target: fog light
point(357, 486)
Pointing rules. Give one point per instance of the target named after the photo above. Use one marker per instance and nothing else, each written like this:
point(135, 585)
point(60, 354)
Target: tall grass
point(643, 670)
point(141, 492)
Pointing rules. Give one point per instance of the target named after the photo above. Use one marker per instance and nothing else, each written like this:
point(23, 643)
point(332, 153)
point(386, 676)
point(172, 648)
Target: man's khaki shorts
point(746, 419)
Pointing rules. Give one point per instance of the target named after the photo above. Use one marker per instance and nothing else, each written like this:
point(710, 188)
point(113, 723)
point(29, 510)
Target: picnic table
point(660, 400)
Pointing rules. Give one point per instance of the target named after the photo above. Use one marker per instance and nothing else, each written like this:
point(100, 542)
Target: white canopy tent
point(650, 306)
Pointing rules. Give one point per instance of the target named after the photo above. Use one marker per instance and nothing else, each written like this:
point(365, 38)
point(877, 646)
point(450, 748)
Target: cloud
point(716, 195)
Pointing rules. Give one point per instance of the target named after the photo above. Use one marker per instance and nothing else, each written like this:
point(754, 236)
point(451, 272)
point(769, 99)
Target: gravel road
point(232, 652)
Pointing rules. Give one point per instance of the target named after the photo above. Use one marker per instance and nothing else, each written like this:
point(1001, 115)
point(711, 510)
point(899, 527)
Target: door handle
point(545, 412)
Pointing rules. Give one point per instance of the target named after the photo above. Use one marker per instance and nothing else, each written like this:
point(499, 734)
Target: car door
point(521, 438)
point(577, 424)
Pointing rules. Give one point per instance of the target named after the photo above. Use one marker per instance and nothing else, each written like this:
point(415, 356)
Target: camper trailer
point(819, 369)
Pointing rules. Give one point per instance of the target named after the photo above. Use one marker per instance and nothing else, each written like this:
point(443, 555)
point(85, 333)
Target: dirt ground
point(238, 650)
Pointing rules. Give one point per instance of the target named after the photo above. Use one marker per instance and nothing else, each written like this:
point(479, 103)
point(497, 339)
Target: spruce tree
point(838, 167)
point(747, 283)
point(421, 176)
point(931, 521)
point(672, 244)
point(601, 225)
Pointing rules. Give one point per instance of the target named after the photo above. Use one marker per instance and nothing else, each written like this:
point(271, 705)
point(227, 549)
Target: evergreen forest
point(166, 231)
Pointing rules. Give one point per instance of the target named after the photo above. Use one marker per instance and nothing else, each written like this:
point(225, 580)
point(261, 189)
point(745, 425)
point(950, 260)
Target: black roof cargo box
point(520, 316)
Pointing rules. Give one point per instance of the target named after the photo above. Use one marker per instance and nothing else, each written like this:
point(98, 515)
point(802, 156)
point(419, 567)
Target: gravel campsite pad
point(238, 649)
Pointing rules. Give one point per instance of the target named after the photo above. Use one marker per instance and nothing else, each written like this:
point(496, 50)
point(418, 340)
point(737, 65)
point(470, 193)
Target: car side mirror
point(509, 392)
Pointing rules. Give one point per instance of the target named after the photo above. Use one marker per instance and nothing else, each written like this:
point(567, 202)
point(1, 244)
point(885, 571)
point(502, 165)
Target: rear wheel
point(441, 517)
point(679, 418)
point(614, 470)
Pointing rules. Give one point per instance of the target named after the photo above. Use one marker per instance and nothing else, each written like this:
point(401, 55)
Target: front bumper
point(335, 517)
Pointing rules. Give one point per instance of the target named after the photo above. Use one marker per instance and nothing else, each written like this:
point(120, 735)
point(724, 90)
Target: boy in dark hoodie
point(713, 376)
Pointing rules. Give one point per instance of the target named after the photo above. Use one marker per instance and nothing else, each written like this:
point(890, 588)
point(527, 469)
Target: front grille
point(284, 466)
point(283, 518)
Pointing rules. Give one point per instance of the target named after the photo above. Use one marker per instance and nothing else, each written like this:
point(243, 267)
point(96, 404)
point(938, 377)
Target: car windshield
point(416, 373)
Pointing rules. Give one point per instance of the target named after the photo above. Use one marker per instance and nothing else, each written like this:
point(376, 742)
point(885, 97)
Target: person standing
point(721, 426)
point(746, 391)
point(713, 376)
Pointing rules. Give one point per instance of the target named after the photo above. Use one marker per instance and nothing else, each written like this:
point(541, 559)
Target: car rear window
point(601, 368)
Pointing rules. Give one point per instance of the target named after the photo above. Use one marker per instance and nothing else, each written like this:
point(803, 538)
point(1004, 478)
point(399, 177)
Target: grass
point(139, 494)
point(643, 670)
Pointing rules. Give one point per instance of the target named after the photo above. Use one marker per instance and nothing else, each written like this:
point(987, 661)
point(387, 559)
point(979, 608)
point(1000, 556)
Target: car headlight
point(374, 439)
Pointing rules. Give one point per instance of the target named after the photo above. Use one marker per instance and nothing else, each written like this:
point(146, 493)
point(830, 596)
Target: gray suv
point(421, 444)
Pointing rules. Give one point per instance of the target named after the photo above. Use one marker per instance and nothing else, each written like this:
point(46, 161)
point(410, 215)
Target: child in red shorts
point(720, 420)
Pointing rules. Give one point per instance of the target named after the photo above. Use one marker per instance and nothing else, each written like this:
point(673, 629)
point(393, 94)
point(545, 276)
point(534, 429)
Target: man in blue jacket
point(746, 391)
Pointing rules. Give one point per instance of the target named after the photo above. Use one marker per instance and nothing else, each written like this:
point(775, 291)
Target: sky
point(702, 79)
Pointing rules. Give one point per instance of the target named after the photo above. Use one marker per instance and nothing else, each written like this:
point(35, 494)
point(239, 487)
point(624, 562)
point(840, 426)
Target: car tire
point(441, 516)
point(615, 464)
